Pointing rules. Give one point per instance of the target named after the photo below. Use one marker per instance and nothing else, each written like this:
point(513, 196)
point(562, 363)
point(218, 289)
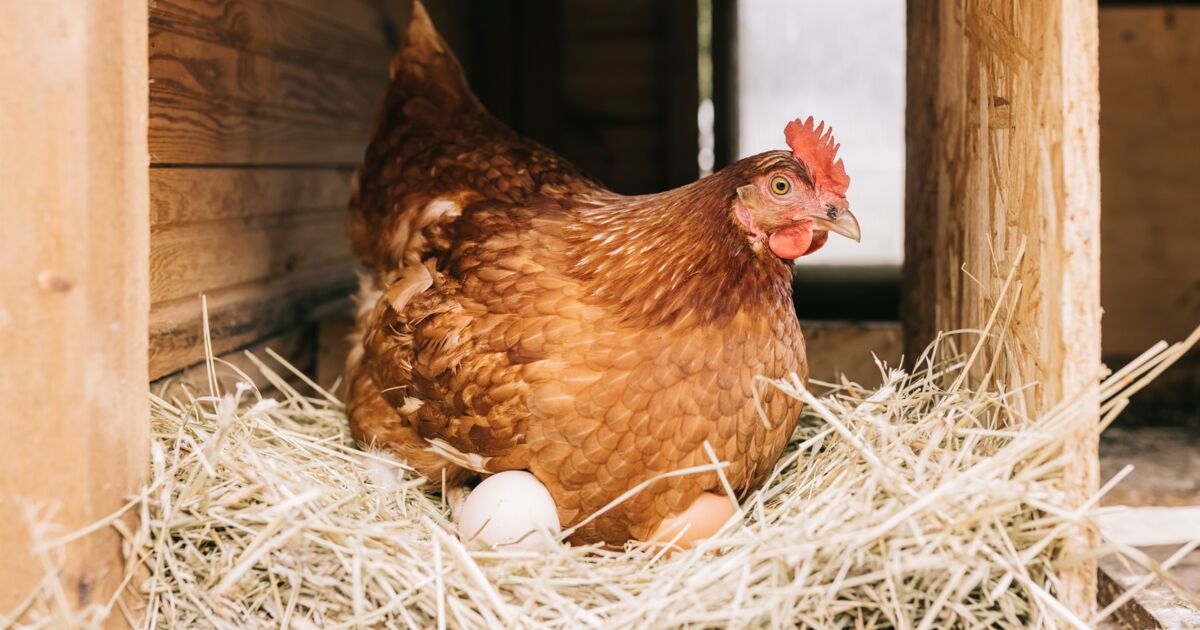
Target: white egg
point(509, 510)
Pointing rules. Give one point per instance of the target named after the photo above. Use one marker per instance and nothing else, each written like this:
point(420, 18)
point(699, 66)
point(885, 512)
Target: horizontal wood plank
point(240, 315)
point(1131, 614)
point(267, 81)
point(239, 195)
point(184, 64)
point(304, 32)
point(266, 245)
point(188, 128)
point(267, 105)
point(1157, 605)
point(378, 20)
point(296, 346)
point(196, 258)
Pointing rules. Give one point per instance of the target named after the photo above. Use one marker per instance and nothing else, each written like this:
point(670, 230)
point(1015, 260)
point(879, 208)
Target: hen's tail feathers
point(425, 74)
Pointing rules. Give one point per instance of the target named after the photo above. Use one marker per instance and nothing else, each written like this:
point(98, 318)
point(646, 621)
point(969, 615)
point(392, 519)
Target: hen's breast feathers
point(498, 350)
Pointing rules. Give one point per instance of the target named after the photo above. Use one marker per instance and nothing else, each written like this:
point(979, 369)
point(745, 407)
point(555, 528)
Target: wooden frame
point(1002, 151)
point(1003, 155)
point(74, 294)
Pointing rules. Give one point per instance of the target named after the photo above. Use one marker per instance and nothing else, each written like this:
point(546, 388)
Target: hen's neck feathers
point(677, 257)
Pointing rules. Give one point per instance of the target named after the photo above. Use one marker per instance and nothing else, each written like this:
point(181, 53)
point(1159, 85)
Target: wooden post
point(73, 285)
point(1002, 142)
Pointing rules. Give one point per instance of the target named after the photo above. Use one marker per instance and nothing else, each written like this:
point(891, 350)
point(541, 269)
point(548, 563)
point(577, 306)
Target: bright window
point(841, 61)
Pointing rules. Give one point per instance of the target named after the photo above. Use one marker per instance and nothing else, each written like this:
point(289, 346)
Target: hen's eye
point(780, 185)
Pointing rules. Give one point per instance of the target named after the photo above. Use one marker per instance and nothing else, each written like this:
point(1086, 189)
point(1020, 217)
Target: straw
point(928, 502)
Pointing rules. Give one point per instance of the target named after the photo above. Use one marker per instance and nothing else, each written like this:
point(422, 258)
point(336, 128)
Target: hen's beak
point(836, 220)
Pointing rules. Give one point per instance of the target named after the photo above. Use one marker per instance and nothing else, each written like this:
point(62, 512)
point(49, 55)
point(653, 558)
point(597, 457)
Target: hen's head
point(792, 201)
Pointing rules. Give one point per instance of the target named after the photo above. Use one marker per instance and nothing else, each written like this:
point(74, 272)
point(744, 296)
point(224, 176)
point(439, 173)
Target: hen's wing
point(449, 349)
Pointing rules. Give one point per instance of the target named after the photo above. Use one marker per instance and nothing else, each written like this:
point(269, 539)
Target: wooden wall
point(259, 113)
point(1002, 150)
point(630, 92)
point(612, 85)
point(1149, 157)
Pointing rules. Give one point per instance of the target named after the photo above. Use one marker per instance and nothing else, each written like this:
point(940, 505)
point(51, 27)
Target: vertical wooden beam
point(74, 293)
point(1002, 150)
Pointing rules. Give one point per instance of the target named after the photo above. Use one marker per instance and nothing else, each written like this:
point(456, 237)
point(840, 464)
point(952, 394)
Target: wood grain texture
point(189, 128)
point(183, 64)
point(1002, 149)
point(582, 76)
point(240, 196)
point(74, 288)
point(351, 35)
point(1131, 614)
point(197, 258)
point(378, 21)
point(259, 112)
point(265, 81)
point(296, 346)
point(240, 315)
point(1157, 605)
point(266, 245)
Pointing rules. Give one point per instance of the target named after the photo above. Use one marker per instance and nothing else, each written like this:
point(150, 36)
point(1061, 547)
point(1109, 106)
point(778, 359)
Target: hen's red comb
point(815, 147)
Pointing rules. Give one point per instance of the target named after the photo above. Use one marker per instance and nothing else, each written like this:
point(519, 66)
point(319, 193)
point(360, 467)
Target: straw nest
point(924, 503)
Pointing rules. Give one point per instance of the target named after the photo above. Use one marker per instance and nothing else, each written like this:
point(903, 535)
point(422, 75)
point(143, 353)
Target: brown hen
point(516, 315)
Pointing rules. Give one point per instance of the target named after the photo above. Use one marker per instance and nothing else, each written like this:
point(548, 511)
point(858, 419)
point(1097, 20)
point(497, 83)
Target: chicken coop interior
point(255, 114)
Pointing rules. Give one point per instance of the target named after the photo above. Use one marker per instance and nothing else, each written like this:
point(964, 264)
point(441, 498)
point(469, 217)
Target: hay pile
point(921, 504)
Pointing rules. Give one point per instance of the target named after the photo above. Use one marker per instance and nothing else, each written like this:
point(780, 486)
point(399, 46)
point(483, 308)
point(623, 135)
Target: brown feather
point(519, 313)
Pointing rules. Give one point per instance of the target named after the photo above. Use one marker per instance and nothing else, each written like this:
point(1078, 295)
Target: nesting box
point(152, 153)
